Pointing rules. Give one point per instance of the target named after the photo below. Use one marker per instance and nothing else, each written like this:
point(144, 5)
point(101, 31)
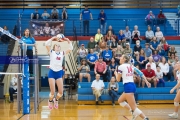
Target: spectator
point(81, 53)
point(178, 13)
point(35, 15)
point(113, 45)
point(64, 15)
point(97, 50)
point(159, 76)
point(150, 76)
point(100, 68)
point(156, 57)
point(161, 18)
point(151, 63)
point(109, 41)
point(158, 34)
point(102, 17)
point(127, 50)
point(172, 51)
point(47, 30)
point(147, 50)
point(164, 44)
point(113, 88)
point(97, 87)
point(154, 44)
point(109, 35)
point(149, 34)
point(121, 39)
point(165, 68)
point(112, 67)
point(171, 62)
point(4, 38)
point(110, 29)
point(137, 78)
point(150, 18)
point(83, 70)
point(102, 44)
point(86, 14)
point(160, 51)
point(118, 53)
point(91, 59)
point(45, 15)
point(127, 34)
point(141, 59)
point(54, 13)
point(135, 35)
point(91, 44)
point(107, 55)
point(98, 36)
point(137, 48)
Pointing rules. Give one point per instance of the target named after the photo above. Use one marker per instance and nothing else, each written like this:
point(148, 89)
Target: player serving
point(56, 68)
point(126, 71)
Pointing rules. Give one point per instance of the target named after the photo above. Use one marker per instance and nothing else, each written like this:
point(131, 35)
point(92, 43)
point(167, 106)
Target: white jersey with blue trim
point(56, 60)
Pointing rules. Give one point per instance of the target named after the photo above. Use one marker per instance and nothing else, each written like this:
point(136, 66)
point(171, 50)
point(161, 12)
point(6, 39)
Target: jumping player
point(126, 71)
point(56, 68)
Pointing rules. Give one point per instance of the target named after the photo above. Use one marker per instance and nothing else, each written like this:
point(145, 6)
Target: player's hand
point(148, 84)
point(172, 91)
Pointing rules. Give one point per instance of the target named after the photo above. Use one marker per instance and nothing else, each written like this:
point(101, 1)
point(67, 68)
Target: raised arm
point(70, 48)
point(48, 44)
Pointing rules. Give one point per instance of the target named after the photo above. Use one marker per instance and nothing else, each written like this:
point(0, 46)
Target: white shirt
point(159, 74)
point(56, 60)
point(13, 82)
point(164, 67)
point(82, 52)
point(97, 84)
point(153, 66)
point(47, 29)
point(52, 32)
point(159, 35)
point(127, 72)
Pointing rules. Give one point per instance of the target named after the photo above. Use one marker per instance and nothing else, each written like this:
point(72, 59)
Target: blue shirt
point(148, 52)
point(154, 44)
point(92, 57)
point(161, 52)
point(102, 16)
point(121, 37)
point(28, 41)
point(86, 14)
point(107, 54)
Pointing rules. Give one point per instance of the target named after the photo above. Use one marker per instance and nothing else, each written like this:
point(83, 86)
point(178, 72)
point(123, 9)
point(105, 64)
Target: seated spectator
point(110, 29)
point(91, 59)
point(165, 68)
point(98, 36)
point(107, 55)
point(109, 36)
point(149, 34)
point(159, 76)
point(112, 67)
point(81, 53)
point(172, 51)
point(45, 15)
point(97, 50)
point(102, 17)
point(35, 15)
point(150, 19)
point(118, 53)
point(141, 59)
point(91, 44)
point(161, 19)
point(150, 76)
point(100, 68)
point(64, 15)
point(137, 48)
point(47, 30)
point(84, 71)
point(137, 78)
point(178, 13)
point(147, 50)
point(97, 87)
point(113, 45)
point(164, 44)
point(154, 44)
point(113, 88)
point(160, 51)
point(151, 63)
point(102, 44)
point(4, 37)
point(156, 57)
point(127, 34)
point(54, 13)
point(135, 35)
point(109, 41)
point(158, 34)
point(171, 62)
point(127, 50)
point(121, 39)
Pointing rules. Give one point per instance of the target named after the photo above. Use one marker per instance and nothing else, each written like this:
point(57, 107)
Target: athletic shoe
point(146, 118)
point(50, 105)
point(174, 115)
point(55, 103)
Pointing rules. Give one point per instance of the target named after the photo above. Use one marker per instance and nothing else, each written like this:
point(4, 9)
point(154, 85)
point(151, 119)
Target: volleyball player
point(56, 69)
point(126, 71)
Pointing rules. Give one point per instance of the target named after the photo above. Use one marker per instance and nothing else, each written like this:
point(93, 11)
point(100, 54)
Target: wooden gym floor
point(69, 110)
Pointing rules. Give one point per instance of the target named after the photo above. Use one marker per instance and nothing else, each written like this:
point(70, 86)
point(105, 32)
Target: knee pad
point(123, 104)
point(51, 96)
point(176, 104)
point(137, 112)
point(59, 95)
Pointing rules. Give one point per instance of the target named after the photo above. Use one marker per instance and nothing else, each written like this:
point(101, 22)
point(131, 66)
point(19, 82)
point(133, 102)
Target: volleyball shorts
point(55, 74)
point(129, 87)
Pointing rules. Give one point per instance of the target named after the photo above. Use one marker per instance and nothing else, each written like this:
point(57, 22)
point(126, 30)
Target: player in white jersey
point(177, 98)
point(56, 70)
point(126, 71)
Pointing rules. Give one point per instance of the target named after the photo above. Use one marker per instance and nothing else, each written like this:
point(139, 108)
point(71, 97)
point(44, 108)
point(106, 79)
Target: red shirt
point(161, 16)
point(149, 74)
point(100, 67)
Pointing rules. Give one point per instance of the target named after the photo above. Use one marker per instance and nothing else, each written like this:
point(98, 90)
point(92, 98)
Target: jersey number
point(129, 69)
point(58, 58)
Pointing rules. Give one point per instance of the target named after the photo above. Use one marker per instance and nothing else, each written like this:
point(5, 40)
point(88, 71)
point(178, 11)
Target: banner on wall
point(46, 28)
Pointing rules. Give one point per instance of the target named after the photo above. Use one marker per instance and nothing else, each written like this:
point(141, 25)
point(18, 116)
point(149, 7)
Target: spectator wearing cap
point(149, 34)
point(91, 44)
point(54, 13)
point(98, 36)
point(161, 18)
point(147, 50)
point(102, 18)
point(151, 62)
point(159, 34)
point(91, 59)
point(150, 18)
point(100, 68)
point(110, 29)
point(154, 44)
point(107, 55)
point(150, 76)
point(137, 48)
point(86, 15)
point(121, 39)
point(81, 53)
point(127, 34)
point(160, 51)
point(127, 50)
point(135, 35)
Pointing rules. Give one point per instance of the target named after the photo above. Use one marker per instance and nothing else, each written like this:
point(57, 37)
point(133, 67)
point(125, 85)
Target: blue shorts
point(55, 75)
point(129, 87)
